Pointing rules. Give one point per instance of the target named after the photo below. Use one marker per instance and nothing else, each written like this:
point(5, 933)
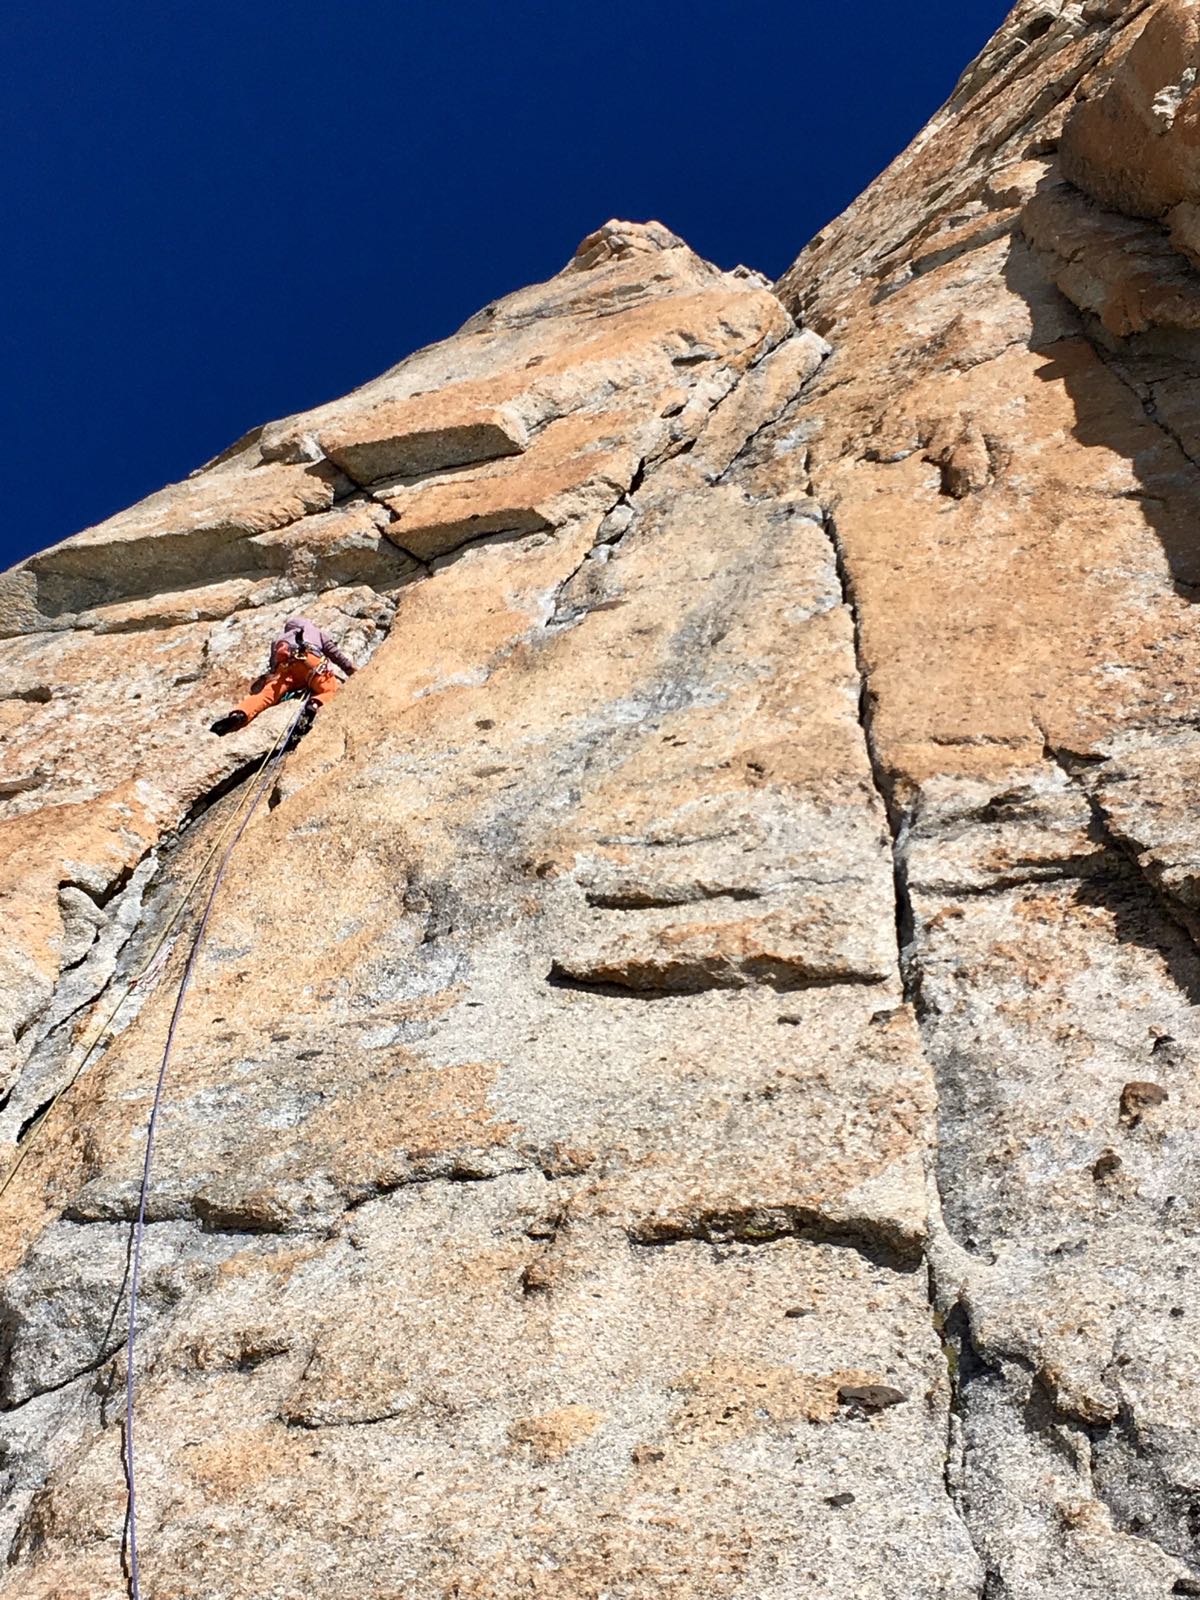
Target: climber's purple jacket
point(300, 631)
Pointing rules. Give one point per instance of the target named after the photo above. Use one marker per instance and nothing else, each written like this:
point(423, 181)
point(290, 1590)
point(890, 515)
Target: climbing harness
point(270, 762)
point(302, 656)
point(149, 967)
point(316, 664)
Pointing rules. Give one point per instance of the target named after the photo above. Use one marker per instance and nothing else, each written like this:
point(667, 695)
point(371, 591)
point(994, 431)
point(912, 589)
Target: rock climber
point(299, 664)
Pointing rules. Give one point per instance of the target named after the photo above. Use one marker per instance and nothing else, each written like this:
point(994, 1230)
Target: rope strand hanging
point(39, 1125)
point(270, 762)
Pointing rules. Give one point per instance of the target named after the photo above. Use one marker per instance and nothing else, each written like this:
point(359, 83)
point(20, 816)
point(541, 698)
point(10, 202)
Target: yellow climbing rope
point(181, 906)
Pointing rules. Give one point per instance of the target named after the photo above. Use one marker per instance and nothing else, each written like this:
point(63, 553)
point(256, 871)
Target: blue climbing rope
point(270, 762)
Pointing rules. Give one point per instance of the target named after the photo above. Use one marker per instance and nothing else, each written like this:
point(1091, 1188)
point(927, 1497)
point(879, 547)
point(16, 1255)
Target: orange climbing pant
point(305, 672)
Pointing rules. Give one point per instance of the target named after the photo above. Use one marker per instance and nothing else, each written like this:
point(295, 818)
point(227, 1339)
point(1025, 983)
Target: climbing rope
point(270, 761)
point(39, 1126)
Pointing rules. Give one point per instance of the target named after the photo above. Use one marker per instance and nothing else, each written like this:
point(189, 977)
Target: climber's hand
point(229, 723)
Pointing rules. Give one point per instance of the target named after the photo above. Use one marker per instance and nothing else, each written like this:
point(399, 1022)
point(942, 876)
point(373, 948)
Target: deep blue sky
point(223, 211)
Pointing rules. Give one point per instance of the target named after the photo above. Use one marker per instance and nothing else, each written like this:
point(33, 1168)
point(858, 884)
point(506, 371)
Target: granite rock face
point(689, 1087)
point(1004, 445)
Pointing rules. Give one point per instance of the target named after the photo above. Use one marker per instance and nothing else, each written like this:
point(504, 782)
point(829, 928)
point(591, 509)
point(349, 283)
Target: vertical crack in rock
point(898, 822)
point(965, 1365)
point(951, 1329)
point(614, 525)
point(998, 1379)
point(620, 517)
